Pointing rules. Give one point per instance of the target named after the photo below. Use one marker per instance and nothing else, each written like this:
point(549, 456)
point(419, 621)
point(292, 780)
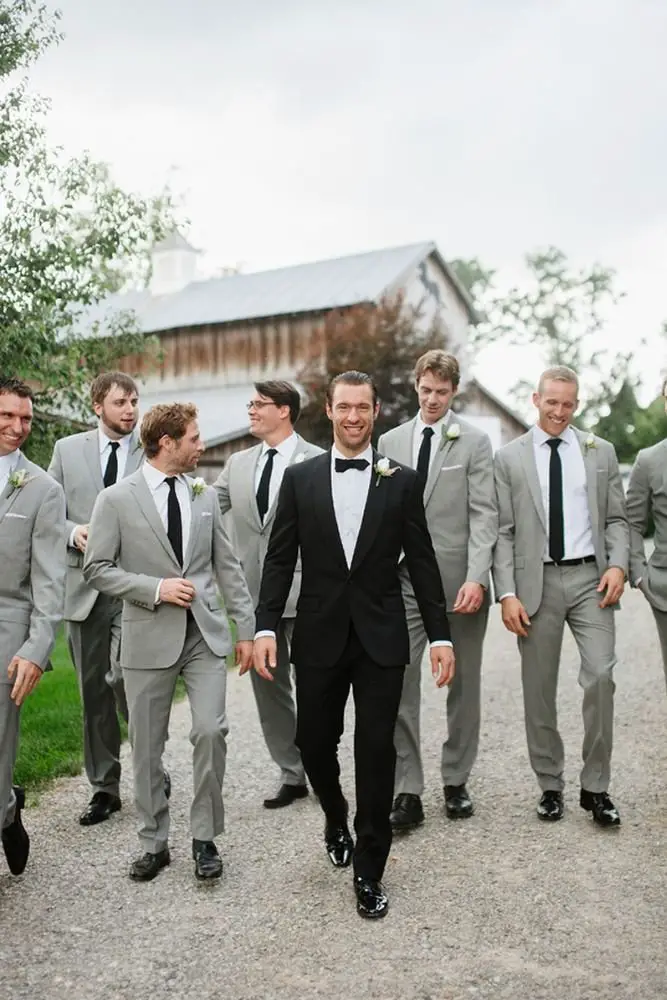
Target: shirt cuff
point(157, 591)
point(71, 538)
point(508, 594)
point(442, 642)
point(265, 634)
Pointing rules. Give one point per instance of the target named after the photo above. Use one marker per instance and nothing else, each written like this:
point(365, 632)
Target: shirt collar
point(285, 449)
point(9, 462)
point(541, 437)
point(105, 441)
point(155, 478)
point(367, 454)
point(436, 427)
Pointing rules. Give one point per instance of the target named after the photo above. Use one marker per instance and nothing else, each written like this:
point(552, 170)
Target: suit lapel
point(91, 452)
point(197, 506)
point(443, 447)
point(530, 470)
point(134, 456)
point(301, 449)
point(10, 493)
point(147, 507)
point(373, 512)
point(404, 440)
point(324, 507)
point(591, 467)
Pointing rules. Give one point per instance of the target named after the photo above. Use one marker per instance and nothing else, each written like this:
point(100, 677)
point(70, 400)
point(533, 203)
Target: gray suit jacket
point(235, 487)
point(459, 499)
point(75, 464)
point(32, 583)
point(647, 497)
point(522, 538)
point(129, 553)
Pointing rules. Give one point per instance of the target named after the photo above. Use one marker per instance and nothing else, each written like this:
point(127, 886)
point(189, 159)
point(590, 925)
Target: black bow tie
point(343, 464)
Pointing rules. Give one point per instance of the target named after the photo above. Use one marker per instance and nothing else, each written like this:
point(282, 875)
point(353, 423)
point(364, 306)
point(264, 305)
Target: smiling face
point(353, 415)
point(435, 396)
point(15, 421)
point(268, 421)
point(556, 405)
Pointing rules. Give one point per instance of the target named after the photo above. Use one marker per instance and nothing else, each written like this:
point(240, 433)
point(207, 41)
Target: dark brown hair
point(282, 394)
point(171, 419)
point(15, 387)
point(104, 383)
point(351, 378)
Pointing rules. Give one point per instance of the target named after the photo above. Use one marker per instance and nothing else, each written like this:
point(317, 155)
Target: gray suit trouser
point(661, 622)
point(277, 710)
point(9, 744)
point(459, 750)
point(95, 648)
point(149, 693)
point(569, 595)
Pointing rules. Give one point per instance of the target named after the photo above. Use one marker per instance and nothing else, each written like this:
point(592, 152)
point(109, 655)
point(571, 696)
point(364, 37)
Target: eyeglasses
point(259, 404)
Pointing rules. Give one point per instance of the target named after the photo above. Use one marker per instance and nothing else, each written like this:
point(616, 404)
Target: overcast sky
point(300, 129)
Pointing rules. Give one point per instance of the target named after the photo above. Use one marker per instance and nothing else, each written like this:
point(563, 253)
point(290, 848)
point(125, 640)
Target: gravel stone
point(498, 906)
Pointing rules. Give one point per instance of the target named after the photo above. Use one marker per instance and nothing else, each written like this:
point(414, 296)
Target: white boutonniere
point(382, 469)
point(17, 479)
point(299, 459)
point(589, 442)
point(452, 432)
point(198, 487)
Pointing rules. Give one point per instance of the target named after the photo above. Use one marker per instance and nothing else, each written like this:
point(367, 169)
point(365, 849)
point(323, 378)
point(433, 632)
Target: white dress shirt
point(122, 451)
point(157, 484)
point(350, 493)
point(578, 533)
point(417, 438)
point(285, 451)
point(7, 465)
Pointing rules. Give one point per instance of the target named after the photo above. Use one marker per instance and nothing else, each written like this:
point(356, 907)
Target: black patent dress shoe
point(458, 804)
point(100, 807)
point(339, 844)
point(407, 812)
point(550, 806)
point(285, 796)
point(372, 901)
point(15, 839)
point(604, 811)
point(149, 865)
point(167, 784)
point(208, 863)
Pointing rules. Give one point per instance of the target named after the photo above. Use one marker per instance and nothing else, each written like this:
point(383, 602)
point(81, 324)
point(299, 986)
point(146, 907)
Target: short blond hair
point(441, 364)
point(170, 419)
point(558, 373)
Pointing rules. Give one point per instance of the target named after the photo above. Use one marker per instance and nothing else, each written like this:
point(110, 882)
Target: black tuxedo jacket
point(368, 594)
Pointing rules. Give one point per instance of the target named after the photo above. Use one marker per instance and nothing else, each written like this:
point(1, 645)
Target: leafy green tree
point(69, 238)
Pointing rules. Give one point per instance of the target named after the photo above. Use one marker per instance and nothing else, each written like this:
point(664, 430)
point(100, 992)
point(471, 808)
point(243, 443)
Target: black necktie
point(174, 523)
point(111, 471)
point(343, 464)
point(264, 483)
point(424, 456)
point(556, 526)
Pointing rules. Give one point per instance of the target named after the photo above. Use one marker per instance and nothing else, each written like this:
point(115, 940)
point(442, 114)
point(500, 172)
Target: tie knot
point(171, 482)
point(554, 443)
point(343, 464)
point(428, 432)
point(271, 452)
point(114, 445)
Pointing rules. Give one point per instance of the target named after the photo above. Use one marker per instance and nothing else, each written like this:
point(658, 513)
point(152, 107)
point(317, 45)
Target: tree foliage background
point(69, 238)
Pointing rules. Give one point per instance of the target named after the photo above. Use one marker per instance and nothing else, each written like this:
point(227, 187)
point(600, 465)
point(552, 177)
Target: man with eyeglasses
point(248, 488)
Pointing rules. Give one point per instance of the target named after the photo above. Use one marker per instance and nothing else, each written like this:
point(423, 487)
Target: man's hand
point(265, 656)
point(442, 665)
point(81, 537)
point(26, 676)
point(469, 598)
point(613, 581)
point(244, 650)
point(515, 618)
point(177, 591)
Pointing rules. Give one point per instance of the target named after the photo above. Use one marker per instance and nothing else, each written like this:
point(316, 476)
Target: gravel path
point(500, 906)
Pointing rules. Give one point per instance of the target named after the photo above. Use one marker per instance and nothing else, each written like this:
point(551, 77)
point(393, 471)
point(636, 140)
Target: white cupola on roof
point(173, 264)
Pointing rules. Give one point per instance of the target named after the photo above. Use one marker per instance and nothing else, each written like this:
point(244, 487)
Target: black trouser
point(321, 695)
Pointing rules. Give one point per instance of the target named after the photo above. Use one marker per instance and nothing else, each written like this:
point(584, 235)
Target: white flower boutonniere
point(452, 432)
point(17, 479)
point(382, 470)
point(590, 442)
point(299, 459)
point(198, 487)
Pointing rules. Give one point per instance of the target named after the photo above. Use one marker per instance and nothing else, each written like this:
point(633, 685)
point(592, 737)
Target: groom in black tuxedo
point(350, 514)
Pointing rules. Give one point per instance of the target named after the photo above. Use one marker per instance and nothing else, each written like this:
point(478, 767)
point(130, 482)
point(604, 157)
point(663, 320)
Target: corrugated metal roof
point(322, 285)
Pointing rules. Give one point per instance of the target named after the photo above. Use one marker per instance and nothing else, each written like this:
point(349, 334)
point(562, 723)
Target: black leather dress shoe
point(285, 796)
point(148, 865)
point(167, 783)
point(407, 812)
point(208, 863)
point(550, 806)
point(604, 811)
point(458, 804)
point(339, 844)
point(100, 807)
point(372, 901)
point(15, 839)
